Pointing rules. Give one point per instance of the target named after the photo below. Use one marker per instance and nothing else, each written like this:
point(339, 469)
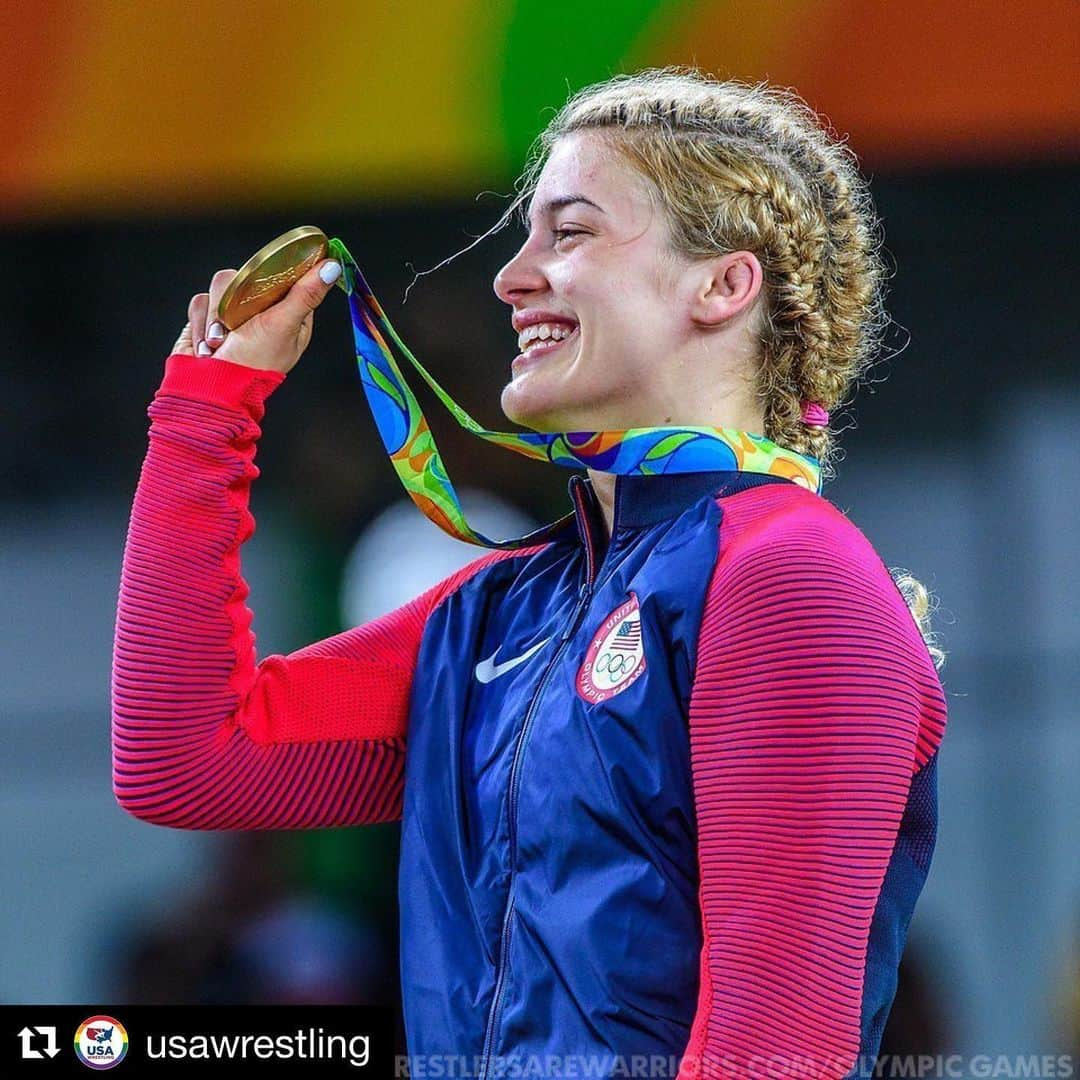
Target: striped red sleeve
point(203, 735)
point(814, 702)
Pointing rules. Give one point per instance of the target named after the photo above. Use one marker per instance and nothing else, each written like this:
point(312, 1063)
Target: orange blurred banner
point(118, 107)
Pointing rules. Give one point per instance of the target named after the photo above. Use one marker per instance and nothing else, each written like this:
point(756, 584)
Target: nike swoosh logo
point(487, 669)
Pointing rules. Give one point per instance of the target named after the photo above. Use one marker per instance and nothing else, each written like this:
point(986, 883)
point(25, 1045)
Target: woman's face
point(595, 270)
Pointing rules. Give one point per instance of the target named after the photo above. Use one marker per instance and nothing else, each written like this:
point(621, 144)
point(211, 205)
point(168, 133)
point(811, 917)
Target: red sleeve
point(203, 736)
point(814, 701)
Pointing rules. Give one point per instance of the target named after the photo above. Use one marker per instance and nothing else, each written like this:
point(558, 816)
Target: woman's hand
point(273, 340)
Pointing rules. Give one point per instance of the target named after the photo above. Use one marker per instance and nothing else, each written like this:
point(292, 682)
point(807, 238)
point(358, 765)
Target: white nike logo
point(487, 669)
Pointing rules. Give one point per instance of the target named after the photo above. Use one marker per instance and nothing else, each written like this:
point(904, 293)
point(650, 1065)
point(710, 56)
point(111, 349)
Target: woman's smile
point(539, 348)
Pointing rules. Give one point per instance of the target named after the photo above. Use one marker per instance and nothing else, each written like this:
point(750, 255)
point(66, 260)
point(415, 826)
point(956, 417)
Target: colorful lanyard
point(651, 451)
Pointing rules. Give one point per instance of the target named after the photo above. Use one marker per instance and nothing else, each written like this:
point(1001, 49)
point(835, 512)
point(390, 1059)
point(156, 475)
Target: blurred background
point(142, 147)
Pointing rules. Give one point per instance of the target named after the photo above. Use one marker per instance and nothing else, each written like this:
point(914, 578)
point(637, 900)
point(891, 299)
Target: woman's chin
point(524, 406)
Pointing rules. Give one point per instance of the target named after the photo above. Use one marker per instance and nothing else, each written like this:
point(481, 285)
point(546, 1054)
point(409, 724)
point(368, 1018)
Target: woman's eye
point(562, 234)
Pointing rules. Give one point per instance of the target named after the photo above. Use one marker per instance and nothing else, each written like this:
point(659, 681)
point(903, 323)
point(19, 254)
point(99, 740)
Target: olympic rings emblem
point(614, 664)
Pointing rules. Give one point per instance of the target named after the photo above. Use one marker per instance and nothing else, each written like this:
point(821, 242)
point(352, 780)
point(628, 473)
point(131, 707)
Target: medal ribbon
point(651, 451)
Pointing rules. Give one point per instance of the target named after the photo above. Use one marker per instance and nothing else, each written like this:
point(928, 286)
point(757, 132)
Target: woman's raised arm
point(203, 735)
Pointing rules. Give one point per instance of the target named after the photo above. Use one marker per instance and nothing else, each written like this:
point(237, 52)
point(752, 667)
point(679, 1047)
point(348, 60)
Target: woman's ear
point(727, 286)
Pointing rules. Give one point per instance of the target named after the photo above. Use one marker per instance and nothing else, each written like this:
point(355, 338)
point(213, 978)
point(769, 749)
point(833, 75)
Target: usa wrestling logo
point(101, 1042)
point(616, 657)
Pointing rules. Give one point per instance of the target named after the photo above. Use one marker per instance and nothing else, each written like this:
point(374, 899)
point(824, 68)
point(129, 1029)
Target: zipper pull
point(584, 595)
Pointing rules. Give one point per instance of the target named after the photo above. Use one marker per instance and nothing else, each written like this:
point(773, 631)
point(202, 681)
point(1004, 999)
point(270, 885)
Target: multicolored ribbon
point(408, 440)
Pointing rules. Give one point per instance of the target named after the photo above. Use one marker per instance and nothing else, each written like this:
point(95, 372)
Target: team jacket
point(672, 795)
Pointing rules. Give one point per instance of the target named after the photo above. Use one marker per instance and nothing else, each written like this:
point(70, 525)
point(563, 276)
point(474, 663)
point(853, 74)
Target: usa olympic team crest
point(101, 1042)
point(616, 657)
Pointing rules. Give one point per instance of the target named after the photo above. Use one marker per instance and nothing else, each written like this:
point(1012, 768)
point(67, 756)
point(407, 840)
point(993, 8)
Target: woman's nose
point(520, 275)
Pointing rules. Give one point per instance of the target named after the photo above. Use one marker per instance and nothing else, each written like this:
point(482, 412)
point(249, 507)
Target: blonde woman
point(667, 781)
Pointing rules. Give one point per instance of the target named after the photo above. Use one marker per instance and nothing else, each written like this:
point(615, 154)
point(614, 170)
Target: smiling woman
point(699, 178)
point(685, 327)
point(666, 779)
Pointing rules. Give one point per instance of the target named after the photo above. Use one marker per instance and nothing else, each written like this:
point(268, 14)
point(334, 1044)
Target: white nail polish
point(330, 272)
point(203, 349)
point(216, 330)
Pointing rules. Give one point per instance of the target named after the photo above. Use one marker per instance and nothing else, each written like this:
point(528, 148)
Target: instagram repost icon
point(101, 1042)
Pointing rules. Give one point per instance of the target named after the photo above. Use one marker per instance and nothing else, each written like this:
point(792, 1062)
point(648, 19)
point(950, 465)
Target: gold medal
point(269, 274)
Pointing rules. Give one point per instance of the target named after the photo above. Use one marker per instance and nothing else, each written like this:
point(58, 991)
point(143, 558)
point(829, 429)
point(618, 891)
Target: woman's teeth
point(541, 334)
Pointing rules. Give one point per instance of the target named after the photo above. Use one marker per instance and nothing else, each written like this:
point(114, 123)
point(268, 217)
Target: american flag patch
point(628, 636)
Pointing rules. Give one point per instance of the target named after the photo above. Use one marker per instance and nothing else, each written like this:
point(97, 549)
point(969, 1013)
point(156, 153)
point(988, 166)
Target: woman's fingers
point(215, 331)
point(197, 316)
point(183, 342)
point(195, 330)
point(308, 293)
point(279, 335)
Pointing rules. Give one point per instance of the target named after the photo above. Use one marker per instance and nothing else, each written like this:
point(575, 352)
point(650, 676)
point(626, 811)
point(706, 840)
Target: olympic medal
point(269, 274)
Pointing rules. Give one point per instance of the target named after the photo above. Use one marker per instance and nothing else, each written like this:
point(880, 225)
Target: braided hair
point(749, 167)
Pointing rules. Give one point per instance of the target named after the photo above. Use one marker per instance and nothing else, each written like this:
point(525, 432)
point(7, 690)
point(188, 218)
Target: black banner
point(173, 1040)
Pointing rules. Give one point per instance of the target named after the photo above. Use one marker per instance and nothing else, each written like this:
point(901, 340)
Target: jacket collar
point(641, 501)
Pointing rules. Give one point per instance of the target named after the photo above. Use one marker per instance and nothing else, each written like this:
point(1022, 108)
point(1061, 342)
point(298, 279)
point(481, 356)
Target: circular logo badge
point(101, 1042)
point(616, 657)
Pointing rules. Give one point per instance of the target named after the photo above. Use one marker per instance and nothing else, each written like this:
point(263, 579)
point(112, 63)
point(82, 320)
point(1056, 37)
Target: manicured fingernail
point(203, 349)
point(330, 271)
point(216, 330)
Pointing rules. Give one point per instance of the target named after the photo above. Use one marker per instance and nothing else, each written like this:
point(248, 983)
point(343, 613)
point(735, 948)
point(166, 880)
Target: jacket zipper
point(584, 596)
